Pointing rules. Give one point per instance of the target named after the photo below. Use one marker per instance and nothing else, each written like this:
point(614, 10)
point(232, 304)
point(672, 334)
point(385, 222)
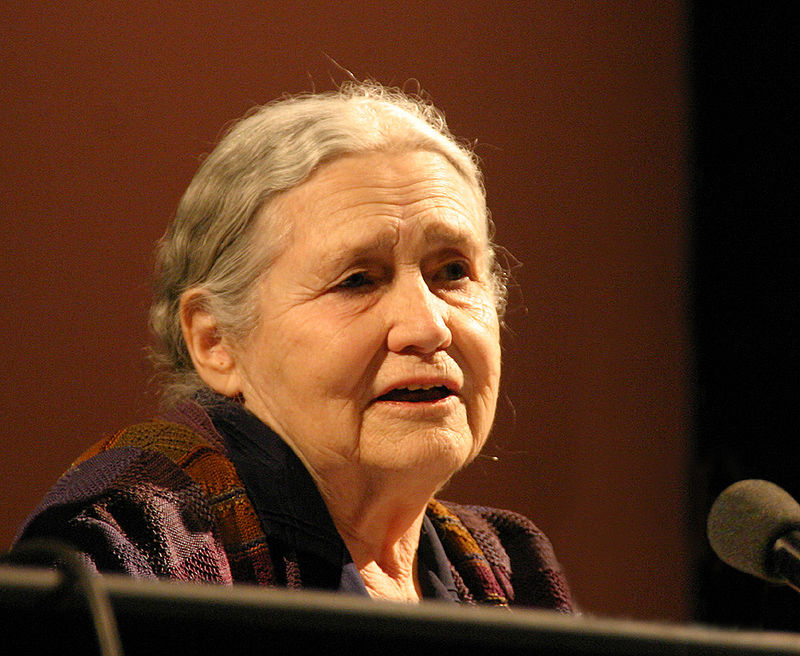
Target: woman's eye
point(356, 281)
point(454, 271)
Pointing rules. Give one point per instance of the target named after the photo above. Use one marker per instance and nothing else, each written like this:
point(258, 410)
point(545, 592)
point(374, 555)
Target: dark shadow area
point(744, 70)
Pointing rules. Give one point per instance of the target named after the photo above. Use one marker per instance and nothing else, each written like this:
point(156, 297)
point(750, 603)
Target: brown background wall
point(579, 111)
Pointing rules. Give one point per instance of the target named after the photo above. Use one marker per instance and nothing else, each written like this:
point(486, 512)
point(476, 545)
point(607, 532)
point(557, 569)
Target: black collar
point(285, 497)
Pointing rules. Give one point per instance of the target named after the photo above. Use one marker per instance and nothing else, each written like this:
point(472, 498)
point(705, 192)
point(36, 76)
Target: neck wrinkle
point(382, 534)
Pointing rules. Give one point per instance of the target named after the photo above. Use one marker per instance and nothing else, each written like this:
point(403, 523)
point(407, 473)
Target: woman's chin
point(429, 457)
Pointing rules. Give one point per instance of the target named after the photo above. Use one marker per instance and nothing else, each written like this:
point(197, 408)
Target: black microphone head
point(745, 521)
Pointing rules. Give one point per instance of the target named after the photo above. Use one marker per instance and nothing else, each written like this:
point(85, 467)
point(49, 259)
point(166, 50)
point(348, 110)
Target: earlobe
point(210, 350)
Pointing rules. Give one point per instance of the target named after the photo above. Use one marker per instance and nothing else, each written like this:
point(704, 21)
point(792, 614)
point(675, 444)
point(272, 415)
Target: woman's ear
point(211, 352)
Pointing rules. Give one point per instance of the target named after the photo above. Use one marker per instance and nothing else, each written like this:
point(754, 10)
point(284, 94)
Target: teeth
point(420, 387)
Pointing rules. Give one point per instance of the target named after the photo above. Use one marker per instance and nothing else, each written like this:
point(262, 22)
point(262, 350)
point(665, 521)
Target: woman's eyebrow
point(447, 235)
point(451, 234)
point(359, 249)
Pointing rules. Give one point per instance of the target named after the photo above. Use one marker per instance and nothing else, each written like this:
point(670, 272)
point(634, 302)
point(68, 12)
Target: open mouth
point(407, 395)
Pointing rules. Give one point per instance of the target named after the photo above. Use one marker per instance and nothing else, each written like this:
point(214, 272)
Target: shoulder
point(174, 441)
point(511, 529)
point(144, 457)
point(518, 549)
point(135, 456)
point(131, 504)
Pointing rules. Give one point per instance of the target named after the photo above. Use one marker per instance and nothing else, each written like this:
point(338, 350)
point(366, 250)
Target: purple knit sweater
point(164, 500)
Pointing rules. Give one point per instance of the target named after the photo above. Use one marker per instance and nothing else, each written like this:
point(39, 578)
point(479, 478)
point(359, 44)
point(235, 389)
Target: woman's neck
point(381, 531)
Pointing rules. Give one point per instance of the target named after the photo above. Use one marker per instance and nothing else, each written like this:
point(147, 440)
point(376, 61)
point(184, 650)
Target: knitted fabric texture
point(161, 499)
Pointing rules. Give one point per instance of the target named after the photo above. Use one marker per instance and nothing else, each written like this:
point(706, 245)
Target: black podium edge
point(24, 588)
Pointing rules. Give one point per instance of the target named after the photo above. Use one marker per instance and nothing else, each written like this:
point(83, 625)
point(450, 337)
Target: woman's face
point(378, 341)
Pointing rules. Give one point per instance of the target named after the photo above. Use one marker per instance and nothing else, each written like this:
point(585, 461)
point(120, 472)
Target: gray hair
point(211, 243)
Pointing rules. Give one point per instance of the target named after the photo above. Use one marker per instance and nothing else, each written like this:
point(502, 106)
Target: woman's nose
point(418, 319)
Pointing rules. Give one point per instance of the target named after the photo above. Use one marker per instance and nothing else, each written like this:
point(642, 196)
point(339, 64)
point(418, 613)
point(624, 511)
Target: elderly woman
point(327, 311)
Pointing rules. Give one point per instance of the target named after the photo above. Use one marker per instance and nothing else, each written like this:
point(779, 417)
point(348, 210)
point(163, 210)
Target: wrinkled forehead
point(419, 185)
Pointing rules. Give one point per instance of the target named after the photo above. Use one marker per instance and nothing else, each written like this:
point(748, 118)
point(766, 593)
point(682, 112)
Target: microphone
point(754, 526)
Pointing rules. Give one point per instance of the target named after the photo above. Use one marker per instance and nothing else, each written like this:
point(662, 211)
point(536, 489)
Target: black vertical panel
point(745, 70)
